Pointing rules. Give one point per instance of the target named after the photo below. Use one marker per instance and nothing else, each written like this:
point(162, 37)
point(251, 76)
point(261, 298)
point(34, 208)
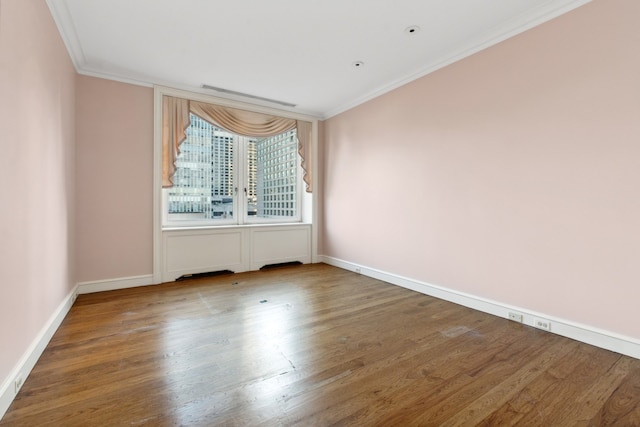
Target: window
point(219, 174)
point(276, 176)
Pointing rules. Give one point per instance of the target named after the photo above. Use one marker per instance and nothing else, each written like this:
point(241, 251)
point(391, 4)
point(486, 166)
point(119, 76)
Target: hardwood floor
point(313, 345)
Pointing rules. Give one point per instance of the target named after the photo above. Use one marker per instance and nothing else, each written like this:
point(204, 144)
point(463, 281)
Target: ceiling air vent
point(246, 95)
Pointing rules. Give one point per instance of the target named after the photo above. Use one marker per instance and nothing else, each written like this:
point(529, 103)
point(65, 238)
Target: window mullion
point(239, 178)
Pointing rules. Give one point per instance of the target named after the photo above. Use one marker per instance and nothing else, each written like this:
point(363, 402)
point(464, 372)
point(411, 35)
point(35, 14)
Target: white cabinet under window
point(236, 249)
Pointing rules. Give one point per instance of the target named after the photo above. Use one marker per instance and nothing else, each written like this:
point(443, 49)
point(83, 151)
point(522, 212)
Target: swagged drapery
point(175, 121)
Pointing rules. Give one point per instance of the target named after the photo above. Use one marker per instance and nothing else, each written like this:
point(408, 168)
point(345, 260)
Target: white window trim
point(309, 214)
point(241, 216)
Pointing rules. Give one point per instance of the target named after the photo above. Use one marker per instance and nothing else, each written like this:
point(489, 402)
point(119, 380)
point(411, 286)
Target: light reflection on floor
point(258, 352)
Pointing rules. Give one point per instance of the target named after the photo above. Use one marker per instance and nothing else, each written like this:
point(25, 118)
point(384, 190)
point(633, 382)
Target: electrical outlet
point(17, 383)
point(516, 317)
point(542, 324)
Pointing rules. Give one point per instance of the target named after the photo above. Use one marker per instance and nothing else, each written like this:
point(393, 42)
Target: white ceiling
point(296, 51)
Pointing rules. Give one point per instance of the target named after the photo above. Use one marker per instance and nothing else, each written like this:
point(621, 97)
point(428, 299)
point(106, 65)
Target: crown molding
point(550, 10)
point(547, 11)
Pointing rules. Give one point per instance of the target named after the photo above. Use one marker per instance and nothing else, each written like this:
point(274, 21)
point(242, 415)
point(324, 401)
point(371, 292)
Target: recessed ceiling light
point(412, 30)
point(358, 64)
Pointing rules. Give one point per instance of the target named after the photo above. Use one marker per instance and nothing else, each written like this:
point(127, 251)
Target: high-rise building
point(203, 184)
point(277, 181)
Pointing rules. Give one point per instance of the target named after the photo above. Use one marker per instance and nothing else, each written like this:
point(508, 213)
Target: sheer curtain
point(241, 122)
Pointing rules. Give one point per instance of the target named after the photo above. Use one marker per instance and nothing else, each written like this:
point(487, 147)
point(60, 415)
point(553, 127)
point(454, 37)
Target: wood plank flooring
point(313, 345)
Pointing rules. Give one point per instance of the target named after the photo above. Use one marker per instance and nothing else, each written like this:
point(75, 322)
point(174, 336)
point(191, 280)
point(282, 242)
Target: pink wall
point(37, 163)
point(512, 175)
point(114, 125)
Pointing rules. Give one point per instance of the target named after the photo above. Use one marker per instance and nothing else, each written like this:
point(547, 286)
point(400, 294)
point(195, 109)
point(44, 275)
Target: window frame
point(240, 200)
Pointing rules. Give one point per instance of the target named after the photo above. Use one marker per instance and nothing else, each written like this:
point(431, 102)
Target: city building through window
point(224, 178)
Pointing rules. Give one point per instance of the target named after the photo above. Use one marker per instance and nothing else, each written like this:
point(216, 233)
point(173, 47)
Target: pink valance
point(241, 122)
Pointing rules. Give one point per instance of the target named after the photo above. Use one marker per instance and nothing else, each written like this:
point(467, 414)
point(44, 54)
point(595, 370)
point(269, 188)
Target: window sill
point(234, 226)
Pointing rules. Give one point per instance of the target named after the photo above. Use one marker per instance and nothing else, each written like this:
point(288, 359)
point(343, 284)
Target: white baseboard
point(587, 334)
point(114, 284)
point(34, 351)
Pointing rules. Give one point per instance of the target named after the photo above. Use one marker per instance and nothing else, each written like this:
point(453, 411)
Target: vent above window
point(246, 95)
